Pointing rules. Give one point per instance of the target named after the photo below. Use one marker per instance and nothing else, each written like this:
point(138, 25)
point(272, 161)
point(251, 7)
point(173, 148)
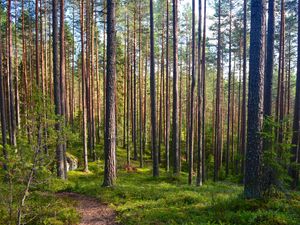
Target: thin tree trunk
point(175, 132)
point(200, 101)
point(83, 95)
point(191, 125)
point(229, 97)
point(218, 121)
point(11, 95)
point(203, 92)
point(167, 95)
point(3, 106)
point(140, 90)
point(243, 116)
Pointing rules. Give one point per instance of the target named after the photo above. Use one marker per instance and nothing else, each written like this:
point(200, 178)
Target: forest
point(150, 112)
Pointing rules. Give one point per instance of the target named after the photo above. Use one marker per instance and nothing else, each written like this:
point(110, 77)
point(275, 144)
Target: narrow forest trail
point(92, 211)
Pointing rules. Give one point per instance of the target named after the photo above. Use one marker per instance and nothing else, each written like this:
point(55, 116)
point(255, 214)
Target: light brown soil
point(92, 211)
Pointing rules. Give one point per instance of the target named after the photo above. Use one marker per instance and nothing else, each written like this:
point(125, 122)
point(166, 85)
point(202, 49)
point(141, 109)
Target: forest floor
point(91, 211)
point(138, 198)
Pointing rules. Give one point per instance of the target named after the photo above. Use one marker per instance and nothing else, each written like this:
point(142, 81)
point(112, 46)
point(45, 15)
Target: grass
point(40, 208)
point(140, 199)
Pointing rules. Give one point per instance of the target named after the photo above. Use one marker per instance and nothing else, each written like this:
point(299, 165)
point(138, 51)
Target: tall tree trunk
point(11, 95)
point(191, 125)
point(269, 61)
point(229, 96)
point(280, 86)
point(24, 71)
point(167, 148)
point(243, 116)
point(128, 94)
point(254, 152)
point(17, 96)
point(83, 87)
point(57, 91)
point(175, 141)
point(3, 106)
point(153, 96)
point(200, 101)
point(203, 91)
point(140, 90)
point(218, 120)
point(110, 123)
point(294, 173)
point(134, 89)
point(63, 80)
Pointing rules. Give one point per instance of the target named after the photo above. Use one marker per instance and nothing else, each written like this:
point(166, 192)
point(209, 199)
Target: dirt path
point(92, 212)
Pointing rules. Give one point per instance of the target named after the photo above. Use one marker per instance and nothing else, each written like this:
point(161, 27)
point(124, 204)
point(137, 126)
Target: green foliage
point(276, 156)
point(34, 158)
point(139, 198)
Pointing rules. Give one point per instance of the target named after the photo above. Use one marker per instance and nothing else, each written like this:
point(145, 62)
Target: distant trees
point(100, 85)
point(255, 101)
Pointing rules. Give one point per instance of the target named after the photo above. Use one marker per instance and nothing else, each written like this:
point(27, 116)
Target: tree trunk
point(167, 95)
point(175, 144)
point(153, 95)
point(218, 120)
point(57, 91)
point(254, 152)
point(110, 123)
point(229, 97)
point(269, 61)
point(3, 106)
point(11, 95)
point(83, 95)
point(294, 173)
point(200, 101)
point(191, 125)
point(243, 116)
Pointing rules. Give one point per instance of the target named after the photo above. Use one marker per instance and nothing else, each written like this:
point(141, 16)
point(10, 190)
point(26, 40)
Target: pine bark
point(110, 122)
point(294, 173)
point(175, 132)
point(253, 161)
point(57, 91)
point(153, 96)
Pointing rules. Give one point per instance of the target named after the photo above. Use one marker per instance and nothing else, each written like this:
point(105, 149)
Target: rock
point(72, 162)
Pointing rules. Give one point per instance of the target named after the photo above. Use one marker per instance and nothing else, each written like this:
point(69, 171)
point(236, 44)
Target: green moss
point(140, 199)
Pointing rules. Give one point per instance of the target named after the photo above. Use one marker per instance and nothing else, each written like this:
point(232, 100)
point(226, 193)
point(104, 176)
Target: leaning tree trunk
point(253, 161)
